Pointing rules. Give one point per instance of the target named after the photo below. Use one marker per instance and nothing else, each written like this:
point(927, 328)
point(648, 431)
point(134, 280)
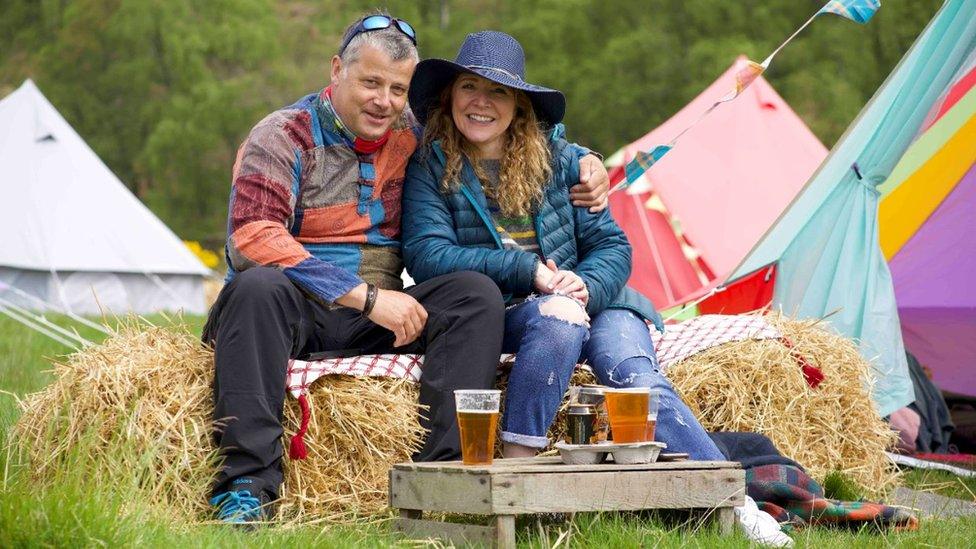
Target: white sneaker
point(760, 526)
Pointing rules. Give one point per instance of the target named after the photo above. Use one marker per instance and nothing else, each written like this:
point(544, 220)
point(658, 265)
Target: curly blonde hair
point(525, 167)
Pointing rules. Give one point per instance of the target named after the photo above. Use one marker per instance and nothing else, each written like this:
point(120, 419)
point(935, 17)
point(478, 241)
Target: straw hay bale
point(758, 386)
point(136, 411)
point(358, 429)
point(133, 411)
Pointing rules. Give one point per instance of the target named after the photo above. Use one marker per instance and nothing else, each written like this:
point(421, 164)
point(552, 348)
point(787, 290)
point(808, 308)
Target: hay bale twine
point(758, 386)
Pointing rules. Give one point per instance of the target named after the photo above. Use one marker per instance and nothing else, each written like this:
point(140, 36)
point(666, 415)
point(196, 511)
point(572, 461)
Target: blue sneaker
point(240, 505)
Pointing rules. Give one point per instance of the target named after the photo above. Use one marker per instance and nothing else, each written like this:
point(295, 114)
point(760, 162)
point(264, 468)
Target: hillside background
point(165, 90)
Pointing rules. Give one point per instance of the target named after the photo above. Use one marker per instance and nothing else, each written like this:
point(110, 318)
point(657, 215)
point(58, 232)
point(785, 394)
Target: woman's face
point(482, 111)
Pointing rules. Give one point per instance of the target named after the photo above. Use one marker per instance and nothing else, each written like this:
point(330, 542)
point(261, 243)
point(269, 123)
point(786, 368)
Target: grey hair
point(390, 41)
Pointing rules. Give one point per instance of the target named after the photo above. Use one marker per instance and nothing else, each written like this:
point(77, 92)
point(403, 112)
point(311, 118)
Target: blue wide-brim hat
point(490, 54)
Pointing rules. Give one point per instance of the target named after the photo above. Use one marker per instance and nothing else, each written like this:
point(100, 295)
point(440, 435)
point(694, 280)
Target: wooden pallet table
point(511, 487)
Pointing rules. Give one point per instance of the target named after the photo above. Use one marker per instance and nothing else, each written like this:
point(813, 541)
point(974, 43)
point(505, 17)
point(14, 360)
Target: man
point(314, 258)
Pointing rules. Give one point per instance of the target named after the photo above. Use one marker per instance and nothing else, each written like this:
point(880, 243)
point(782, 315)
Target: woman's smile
point(482, 111)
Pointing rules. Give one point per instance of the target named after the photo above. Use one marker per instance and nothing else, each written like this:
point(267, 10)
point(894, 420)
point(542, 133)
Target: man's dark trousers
point(261, 319)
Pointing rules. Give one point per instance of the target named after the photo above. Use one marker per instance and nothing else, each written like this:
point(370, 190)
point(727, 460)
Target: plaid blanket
point(795, 499)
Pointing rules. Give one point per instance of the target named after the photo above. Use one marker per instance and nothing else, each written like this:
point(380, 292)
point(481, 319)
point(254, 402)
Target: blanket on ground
point(782, 488)
point(792, 497)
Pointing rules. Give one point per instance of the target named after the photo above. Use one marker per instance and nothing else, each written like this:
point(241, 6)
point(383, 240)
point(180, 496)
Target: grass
point(83, 511)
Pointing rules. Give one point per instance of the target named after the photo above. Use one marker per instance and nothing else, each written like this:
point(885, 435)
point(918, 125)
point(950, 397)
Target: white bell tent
point(74, 238)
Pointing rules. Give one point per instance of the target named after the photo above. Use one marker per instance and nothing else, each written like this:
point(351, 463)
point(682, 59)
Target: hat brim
point(432, 75)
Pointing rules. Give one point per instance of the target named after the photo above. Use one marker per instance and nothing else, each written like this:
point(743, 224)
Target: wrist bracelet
point(371, 294)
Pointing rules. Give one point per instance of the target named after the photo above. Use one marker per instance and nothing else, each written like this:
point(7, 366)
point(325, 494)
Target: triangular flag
point(643, 161)
point(859, 11)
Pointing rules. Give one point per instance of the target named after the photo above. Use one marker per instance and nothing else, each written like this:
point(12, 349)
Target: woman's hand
point(565, 283)
point(543, 275)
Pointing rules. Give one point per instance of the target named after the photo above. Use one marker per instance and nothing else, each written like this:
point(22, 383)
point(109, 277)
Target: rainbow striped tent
point(927, 220)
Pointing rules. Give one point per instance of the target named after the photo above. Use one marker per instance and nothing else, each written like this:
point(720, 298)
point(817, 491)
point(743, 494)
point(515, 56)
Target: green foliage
point(166, 90)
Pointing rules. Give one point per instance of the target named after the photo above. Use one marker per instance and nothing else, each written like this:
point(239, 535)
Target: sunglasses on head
point(378, 22)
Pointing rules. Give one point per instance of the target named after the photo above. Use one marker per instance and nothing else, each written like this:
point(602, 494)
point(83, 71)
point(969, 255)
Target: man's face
point(371, 92)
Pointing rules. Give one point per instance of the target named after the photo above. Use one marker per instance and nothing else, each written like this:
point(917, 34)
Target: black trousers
point(261, 319)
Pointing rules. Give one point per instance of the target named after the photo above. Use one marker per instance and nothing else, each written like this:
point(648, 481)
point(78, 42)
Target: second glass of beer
point(628, 413)
point(477, 413)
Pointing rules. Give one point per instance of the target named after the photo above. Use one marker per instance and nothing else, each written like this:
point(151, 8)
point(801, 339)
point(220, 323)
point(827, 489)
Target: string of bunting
point(859, 11)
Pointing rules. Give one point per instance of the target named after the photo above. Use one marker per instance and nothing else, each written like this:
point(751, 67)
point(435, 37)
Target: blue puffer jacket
point(444, 233)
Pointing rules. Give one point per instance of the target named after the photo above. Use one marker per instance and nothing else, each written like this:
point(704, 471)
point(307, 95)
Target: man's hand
point(594, 185)
point(401, 314)
point(396, 311)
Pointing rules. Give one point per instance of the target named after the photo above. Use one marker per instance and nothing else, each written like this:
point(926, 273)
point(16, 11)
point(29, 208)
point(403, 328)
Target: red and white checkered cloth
point(694, 336)
point(679, 342)
point(302, 373)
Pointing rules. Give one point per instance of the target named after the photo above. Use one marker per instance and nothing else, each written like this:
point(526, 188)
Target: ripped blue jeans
point(547, 349)
point(617, 346)
point(621, 354)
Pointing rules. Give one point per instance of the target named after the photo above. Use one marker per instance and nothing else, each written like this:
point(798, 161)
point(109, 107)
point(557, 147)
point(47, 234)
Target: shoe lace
point(238, 506)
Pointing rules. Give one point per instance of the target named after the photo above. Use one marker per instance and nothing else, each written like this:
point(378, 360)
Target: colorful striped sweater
point(304, 201)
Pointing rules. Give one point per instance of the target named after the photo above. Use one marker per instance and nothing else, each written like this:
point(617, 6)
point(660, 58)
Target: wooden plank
point(606, 467)
point(554, 464)
point(505, 528)
point(616, 491)
point(440, 491)
point(459, 534)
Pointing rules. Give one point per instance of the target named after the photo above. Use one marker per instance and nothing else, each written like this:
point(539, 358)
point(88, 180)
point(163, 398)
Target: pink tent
point(713, 196)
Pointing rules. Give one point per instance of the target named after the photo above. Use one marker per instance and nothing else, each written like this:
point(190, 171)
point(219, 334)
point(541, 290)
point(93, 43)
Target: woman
point(488, 192)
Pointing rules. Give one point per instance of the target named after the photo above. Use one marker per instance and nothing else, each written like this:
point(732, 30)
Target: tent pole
point(60, 287)
point(658, 264)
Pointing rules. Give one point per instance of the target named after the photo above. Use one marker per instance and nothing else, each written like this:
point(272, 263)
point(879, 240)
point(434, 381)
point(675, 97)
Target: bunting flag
point(640, 163)
point(859, 11)
point(644, 160)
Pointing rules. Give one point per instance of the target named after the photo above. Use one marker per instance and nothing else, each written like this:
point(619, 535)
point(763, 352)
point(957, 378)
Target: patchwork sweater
point(303, 200)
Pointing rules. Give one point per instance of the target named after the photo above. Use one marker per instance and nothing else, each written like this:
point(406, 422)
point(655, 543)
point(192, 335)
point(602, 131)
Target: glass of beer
point(628, 413)
point(477, 413)
point(653, 401)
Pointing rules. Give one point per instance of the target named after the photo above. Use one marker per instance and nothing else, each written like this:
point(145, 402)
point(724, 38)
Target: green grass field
point(78, 510)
